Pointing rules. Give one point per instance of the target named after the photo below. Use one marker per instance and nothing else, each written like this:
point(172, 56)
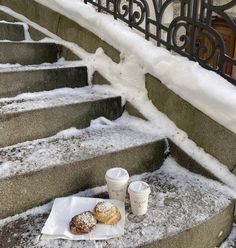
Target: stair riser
point(24, 192)
point(13, 83)
point(6, 17)
point(28, 53)
point(24, 126)
point(12, 32)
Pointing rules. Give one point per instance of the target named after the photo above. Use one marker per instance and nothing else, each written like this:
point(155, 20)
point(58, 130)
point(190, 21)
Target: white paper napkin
point(57, 224)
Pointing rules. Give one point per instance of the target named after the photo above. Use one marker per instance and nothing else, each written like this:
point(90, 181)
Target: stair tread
point(32, 42)
point(72, 145)
point(45, 66)
point(180, 202)
point(49, 99)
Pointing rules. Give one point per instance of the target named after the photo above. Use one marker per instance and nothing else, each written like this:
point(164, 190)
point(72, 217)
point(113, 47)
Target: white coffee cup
point(139, 192)
point(117, 180)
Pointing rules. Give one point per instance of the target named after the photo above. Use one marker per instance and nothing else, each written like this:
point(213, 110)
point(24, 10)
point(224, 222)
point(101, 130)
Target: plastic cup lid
point(139, 187)
point(117, 174)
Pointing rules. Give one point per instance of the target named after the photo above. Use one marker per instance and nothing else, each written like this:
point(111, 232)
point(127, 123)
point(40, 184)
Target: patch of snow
point(43, 66)
point(3, 21)
point(9, 66)
point(52, 98)
point(171, 167)
point(26, 31)
point(230, 242)
point(55, 93)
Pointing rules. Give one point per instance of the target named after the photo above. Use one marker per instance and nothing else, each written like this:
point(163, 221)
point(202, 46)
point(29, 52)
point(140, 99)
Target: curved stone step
point(15, 81)
point(34, 172)
point(11, 31)
point(37, 115)
point(29, 53)
point(185, 211)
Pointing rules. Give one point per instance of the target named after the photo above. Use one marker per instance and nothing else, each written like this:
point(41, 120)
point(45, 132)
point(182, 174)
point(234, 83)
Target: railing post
point(130, 13)
point(115, 9)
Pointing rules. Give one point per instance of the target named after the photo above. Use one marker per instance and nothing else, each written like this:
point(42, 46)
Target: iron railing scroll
point(190, 32)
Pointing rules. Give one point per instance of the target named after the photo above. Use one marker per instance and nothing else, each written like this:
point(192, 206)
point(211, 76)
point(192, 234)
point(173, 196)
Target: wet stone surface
point(177, 203)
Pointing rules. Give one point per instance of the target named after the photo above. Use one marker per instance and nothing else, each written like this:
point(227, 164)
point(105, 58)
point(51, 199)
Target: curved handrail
point(195, 18)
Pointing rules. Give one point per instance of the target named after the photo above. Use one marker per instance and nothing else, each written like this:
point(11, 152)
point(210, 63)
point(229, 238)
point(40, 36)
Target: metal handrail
point(190, 33)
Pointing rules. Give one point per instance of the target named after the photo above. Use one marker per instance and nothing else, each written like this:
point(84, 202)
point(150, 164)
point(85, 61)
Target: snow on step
point(44, 66)
point(49, 99)
point(33, 116)
point(80, 157)
point(71, 145)
point(182, 208)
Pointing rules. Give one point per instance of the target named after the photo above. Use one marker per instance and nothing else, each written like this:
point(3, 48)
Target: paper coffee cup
point(139, 192)
point(117, 180)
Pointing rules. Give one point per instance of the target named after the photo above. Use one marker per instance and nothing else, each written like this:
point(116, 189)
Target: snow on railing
point(202, 30)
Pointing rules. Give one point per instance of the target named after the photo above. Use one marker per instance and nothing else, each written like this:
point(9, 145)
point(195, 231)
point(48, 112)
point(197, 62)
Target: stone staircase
point(48, 149)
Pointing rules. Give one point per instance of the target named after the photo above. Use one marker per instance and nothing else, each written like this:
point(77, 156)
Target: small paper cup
point(139, 192)
point(117, 180)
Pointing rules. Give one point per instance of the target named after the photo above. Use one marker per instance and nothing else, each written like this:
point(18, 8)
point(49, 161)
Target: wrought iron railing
point(190, 33)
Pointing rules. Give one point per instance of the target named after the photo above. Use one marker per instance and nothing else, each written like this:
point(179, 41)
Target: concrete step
point(36, 115)
point(11, 31)
point(185, 211)
point(33, 173)
point(28, 53)
point(15, 81)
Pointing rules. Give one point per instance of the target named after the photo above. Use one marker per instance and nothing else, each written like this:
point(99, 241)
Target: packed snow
point(127, 77)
